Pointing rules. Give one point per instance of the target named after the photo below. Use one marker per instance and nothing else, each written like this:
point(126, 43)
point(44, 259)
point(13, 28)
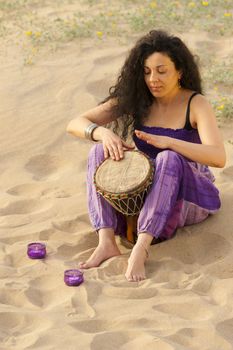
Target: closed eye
point(148, 72)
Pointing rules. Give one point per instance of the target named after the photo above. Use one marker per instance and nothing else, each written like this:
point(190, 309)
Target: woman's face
point(160, 74)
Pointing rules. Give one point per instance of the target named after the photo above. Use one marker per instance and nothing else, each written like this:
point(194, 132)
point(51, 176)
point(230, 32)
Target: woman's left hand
point(162, 142)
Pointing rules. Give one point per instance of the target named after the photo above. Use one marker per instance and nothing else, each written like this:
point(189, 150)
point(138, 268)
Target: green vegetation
point(37, 24)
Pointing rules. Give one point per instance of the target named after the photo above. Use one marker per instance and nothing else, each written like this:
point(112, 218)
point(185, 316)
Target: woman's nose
point(153, 77)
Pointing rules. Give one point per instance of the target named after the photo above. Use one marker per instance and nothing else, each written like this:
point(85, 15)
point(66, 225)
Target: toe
point(129, 278)
point(82, 265)
point(135, 278)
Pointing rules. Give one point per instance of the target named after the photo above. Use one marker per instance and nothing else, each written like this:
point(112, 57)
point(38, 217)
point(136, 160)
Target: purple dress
point(182, 192)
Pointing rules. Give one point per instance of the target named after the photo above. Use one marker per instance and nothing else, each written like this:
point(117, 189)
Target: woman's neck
point(173, 97)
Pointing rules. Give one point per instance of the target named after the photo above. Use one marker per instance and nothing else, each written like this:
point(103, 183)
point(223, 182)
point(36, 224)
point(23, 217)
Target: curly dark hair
point(131, 92)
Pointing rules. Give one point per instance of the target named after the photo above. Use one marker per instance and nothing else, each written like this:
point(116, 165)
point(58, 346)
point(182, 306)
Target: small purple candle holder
point(73, 277)
point(36, 250)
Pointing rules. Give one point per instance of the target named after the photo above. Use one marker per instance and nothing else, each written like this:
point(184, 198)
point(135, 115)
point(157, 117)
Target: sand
point(186, 301)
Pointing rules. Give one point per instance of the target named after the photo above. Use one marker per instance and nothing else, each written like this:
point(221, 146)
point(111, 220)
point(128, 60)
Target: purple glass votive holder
point(73, 277)
point(36, 250)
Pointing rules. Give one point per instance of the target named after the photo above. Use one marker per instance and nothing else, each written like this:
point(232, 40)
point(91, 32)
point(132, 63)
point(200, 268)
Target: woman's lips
point(155, 88)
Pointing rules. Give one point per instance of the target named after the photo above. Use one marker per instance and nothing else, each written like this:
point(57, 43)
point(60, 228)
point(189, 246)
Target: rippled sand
point(185, 303)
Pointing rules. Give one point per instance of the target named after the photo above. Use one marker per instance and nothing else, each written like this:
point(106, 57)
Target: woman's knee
point(169, 160)
point(168, 155)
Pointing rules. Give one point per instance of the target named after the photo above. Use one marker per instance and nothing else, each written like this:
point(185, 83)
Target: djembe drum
point(125, 184)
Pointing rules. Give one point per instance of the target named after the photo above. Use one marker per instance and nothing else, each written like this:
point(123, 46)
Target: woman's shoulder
point(201, 108)
point(199, 101)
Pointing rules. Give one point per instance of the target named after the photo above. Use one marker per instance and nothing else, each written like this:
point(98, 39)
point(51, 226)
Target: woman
point(158, 94)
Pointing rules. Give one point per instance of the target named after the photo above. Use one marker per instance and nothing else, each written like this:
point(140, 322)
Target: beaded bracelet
point(89, 131)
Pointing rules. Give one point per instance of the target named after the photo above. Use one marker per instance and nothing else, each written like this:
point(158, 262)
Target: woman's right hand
point(113, 145)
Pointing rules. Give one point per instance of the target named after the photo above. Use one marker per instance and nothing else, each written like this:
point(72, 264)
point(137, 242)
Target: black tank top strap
point(188, 125)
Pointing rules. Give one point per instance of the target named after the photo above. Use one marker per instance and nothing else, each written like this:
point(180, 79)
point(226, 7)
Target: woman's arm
point(211, 152)
point(100, 115)
point(113, 145)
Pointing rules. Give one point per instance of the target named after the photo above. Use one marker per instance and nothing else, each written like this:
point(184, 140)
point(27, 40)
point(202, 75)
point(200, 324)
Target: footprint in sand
point(15, 296)
point(129, 292)
point(66, 251)
point(202, 284)
point(10, 320)
point(48, 291)
point(29, 190)
point(195, 310)
point(15, 321)
point(78, 224)
point(129, 339)
point(225, 329)
point(184, 337)
point(12, 324)
point(46, 234)
point(81, 302)
point(37, 190)
point(90, 326)
point(11, 221)
point(195, 247)
point(46, 166)
point(26, 206)
point(79, 251)
point(108, 59)
point(43, 235)
point(99, 88)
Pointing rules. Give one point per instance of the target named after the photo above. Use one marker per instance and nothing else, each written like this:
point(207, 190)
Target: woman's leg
point(180, 194)
point(163, 209)
point(101, 213)
point(107, 248)
point(136, 264)
point(104, 218)
point(156, 210)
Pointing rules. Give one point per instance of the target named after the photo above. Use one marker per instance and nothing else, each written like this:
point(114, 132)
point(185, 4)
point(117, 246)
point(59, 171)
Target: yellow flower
point(220, 108)
point(34, 50)
point(99, 34)
point(28, 33)
point(205, 3)
point(153, 4)
point(191, 4)
point(37, 34)
point(28, 61)
point(110, 14)
point(227, 14)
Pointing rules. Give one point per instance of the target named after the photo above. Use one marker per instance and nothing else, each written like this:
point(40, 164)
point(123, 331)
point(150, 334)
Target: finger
point(111, 153)
point(114, 152)
point(121, 151)
point(127, 145)
point(142, 135)
point(106, 153)
point(117, 153)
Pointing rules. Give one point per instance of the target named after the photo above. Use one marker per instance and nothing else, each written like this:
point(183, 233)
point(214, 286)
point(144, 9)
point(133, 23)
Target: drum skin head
point(124, 175)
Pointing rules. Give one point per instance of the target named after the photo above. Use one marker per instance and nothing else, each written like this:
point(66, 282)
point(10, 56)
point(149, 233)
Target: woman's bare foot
point(136, 264)
point(103, 252)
